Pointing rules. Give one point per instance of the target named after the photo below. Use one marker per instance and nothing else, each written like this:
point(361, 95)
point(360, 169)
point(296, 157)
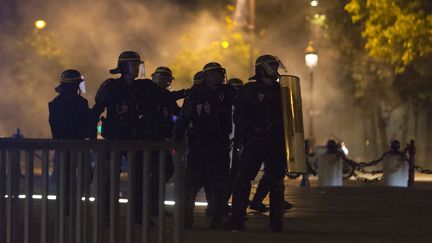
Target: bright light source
point(311, 55)
point(225, 44)
point(40, 24)
point(344, 149)
point(314, 3)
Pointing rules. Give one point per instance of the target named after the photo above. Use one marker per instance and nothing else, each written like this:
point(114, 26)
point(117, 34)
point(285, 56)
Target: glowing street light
point(311, 58)
point(311, 55)
point(225, 44)
point(40, 24)
point(314, 3)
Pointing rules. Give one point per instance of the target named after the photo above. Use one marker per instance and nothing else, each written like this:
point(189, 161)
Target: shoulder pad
point(104, 88)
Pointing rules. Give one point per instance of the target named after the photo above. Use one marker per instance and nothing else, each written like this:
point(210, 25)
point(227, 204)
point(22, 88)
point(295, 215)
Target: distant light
point(52, 197)
point(225, 44)
point(314, 3)
point(37, 196)
point(40, 24)
point(344, 149)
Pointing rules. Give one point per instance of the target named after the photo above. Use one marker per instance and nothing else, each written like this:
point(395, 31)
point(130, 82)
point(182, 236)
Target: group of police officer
point(144, 109)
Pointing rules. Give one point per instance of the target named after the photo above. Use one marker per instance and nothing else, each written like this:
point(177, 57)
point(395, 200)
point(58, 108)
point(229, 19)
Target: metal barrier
point(78, 215)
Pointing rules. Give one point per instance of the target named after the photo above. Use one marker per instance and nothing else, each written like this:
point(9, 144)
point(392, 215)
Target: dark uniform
point(258, 113)
point(209, 110)
point(69, 111)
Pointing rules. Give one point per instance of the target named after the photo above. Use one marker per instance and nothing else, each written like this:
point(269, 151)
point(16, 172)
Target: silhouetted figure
point(209, 112)
point(68, 119)
point(258, 112)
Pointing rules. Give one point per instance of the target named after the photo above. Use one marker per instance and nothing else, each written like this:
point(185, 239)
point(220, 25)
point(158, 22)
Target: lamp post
point(311, 58)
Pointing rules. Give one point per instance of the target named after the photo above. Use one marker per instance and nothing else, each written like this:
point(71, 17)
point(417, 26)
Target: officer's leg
point(276, 171)
point(193, 185)
point(261, 192)
point(221, 177)
point(249, 166)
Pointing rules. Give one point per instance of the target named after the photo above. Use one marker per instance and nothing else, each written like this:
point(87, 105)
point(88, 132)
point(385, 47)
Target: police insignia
point(207, 108)
point(260, 97)
point(199, 109)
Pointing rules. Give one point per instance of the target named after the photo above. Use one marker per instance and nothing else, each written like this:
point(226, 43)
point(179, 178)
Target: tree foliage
point(395, 31)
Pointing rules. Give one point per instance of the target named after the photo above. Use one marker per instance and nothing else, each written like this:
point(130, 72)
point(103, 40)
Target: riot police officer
point(209, 110)
point(68, 118)
point(69, 111)
point(258, 113)
point(119, 97)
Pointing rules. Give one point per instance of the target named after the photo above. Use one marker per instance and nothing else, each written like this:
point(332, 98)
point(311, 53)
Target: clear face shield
point(82, 85)
point(282, 70)
point(142, 71)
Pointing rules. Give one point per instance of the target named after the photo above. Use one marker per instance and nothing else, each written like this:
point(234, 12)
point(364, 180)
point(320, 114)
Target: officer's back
point(68, 112)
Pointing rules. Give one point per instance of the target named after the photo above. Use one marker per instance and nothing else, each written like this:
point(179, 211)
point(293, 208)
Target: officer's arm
point(101, 101)
point(53, 121)
point(241, 111)
point(185, 118)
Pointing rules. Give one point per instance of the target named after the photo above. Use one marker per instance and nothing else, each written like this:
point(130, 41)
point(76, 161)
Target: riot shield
point(293, 123)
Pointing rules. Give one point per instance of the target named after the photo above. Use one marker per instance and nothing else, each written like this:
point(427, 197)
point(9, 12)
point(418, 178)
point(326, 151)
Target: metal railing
point(78, 215)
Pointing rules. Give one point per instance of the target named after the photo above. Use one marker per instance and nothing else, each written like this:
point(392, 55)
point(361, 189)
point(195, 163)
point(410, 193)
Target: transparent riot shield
point(293, 123)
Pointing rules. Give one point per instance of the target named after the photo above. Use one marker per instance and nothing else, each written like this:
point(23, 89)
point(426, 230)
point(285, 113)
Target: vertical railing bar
point(88, 159)
point(114, 194)
point(72, 194)
point(79, 194)
point(44, 203)
point(131, 194)
point(162, 168)
point(98, 202)
point(146, 196)
point(28, 193)
point(179, 173)
point(13, 157)
point(62, 196)
point(10, 203)
point(2, 194)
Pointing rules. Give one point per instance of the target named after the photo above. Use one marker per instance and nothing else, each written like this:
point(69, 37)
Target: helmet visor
point(82, 85)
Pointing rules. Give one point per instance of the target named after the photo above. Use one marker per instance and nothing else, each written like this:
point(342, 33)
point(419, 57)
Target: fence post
point(179, 174)
point(29, 193)
point(411, 162)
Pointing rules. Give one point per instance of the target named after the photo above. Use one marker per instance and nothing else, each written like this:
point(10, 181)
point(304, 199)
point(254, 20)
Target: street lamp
point(311, 58)
point(314, 3)
point(40, 24)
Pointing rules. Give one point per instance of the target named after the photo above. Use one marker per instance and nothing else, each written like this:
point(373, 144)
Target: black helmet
point(198, 78)
point(213, 66)
point(69, 79)
point(126, 56)
point(163, 70)
point(235, 82)
point(263, 66)
point(70, 76)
